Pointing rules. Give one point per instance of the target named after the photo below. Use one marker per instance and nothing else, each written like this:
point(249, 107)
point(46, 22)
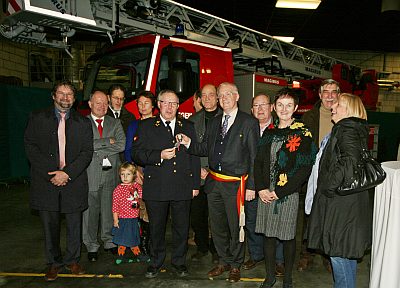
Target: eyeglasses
point(61, 94)
point(118, 98)
point(226, 94)
point(261, 105)
point(166, 103)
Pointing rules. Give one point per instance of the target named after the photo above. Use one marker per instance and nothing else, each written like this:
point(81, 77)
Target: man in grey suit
point(108, 141)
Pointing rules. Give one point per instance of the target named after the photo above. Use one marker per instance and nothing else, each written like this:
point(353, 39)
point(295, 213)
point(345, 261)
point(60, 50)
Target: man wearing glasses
point(116, 109)
point(59, 146)
point(171, 180)
point(318, 119)
point(231, 145)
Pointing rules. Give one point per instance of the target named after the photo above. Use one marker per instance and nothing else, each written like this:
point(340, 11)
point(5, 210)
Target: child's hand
point(116, 224)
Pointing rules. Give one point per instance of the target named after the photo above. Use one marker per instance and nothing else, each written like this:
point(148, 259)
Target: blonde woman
point(340, 224)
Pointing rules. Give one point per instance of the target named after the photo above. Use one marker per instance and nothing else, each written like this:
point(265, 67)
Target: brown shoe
point(52, 273)
point(250, 264)
point(304, 263)
point(327, 264)
point(75, 268)
point(218, 270)
point(280, 270)
point(234, 275)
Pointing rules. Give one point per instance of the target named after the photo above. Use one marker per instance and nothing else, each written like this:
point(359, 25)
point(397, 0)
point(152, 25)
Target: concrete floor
point(22, 261)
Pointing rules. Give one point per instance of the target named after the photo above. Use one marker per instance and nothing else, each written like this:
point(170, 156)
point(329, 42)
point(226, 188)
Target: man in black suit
point(231, 145)
point(59, 146)
point(116, 109)
point(171, 180)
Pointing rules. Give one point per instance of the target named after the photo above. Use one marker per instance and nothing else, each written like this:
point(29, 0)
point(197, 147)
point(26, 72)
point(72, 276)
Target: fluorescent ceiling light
point(298, 4)
point(284, 38)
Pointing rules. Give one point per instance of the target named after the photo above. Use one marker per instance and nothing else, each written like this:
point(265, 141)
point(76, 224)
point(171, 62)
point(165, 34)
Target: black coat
point(126, 117)
point(173, 179)
point(41, 146)
point(240, 150)
point(340, 225)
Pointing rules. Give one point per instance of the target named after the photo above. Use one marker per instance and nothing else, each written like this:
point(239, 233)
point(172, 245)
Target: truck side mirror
point(180, 74)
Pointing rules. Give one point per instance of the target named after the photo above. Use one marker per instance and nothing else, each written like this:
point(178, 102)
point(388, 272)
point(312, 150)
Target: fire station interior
point(98, 43)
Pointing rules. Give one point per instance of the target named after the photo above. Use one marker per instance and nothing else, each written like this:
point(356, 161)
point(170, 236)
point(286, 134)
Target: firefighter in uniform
point(171, 180)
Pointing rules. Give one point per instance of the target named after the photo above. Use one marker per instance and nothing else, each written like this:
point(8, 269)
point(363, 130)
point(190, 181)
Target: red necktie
point(61, 139)
point(99, 127)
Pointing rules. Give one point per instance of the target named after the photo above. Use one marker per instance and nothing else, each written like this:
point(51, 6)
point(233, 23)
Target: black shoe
point(198, 255)
point(180, 270)
point(268, 284)
point(152, 272)
point(113, 250)
point(92, 256)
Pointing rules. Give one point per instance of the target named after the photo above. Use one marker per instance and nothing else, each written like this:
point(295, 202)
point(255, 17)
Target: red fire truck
point(208, 50)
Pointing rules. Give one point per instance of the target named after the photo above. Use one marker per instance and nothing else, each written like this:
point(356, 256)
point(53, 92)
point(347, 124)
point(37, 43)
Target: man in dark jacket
point(59, 146)
point(318, 120)
point(171, 180)
point(199, 209)
point(116, 109)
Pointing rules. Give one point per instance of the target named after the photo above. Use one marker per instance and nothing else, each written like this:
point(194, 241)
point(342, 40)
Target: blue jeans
point(344, 272)
point(255, 241)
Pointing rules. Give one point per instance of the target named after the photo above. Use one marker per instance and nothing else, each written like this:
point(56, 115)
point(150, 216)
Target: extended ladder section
point(252, 50)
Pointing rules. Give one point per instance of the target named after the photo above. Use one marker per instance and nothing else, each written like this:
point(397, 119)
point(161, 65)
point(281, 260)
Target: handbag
point(367, 174)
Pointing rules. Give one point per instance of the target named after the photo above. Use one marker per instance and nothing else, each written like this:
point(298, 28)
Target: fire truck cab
point(154, 62)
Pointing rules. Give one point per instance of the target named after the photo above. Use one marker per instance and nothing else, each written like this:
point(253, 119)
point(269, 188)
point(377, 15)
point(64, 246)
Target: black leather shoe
point(152, 272)
point(180, 270)
point(113, 250)
point(92, 256)
point(268, 284)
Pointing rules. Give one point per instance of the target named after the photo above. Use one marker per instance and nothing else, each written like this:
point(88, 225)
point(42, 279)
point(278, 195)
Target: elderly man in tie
point(108, 141)
point(231, 145)
point(171, 180)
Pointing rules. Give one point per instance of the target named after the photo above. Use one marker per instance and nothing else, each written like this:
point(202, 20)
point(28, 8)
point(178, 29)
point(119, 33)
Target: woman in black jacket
point(340, 224)
point(283, 163)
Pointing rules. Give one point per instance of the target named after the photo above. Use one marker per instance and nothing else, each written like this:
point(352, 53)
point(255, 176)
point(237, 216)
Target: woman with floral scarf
point(283, 163)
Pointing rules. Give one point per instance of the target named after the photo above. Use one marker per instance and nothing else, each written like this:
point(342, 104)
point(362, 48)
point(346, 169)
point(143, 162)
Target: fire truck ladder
point(252, 50)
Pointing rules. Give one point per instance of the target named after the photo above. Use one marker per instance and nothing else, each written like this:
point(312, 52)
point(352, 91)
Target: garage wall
point(381, 62)
point(388, 64)
point(14, 60)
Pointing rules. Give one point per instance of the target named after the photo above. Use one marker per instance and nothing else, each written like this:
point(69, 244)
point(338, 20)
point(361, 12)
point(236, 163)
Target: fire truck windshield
point(127, 67)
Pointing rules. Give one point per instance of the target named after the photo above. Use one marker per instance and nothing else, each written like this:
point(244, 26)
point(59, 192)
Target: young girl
point(125, 208)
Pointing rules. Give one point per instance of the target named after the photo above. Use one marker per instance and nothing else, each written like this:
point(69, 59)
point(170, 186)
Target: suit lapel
point(213, 134)
point(96, 134)
point(161, 128)
point(236, 124)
